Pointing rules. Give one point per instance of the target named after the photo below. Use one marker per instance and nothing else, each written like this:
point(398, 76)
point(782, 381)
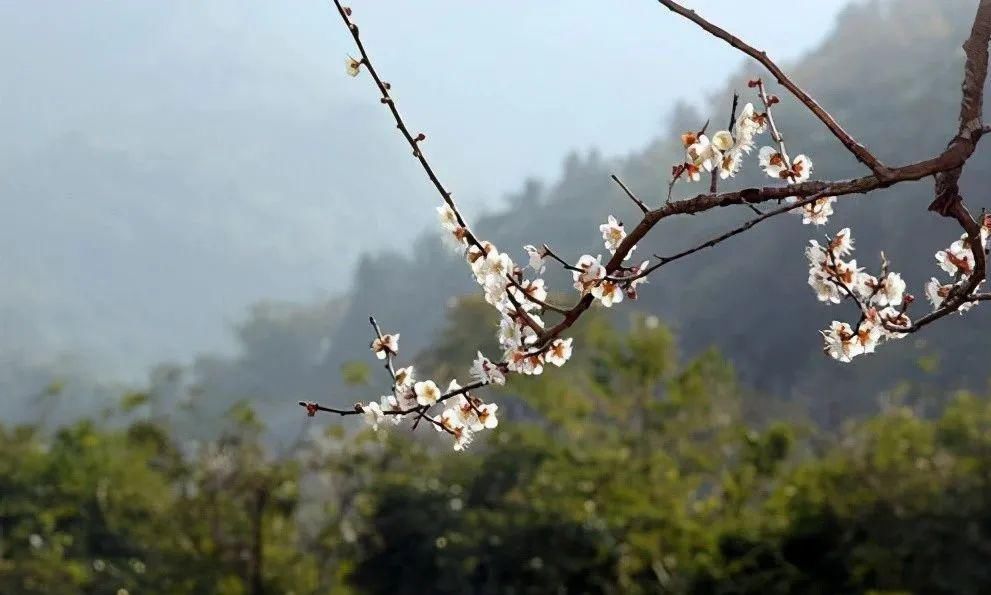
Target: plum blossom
point(748, 125)
point(892, 317)
point(536, 259)
point(703, 154)
point(449, 221)
point(937, 293)
point(958, 259)
point(842, 242)
point(613, 234)
point(723, 140)
point(559, 352)
point(450, 421)
point(889, 290)
point(842, 343)
point(391, 404)
point(486, 417)
point(531, 295)
point(426, 392)
point(801, 169)
point(591, 272)
point(372, 413)
point(772, 162)
point(385, 346)
point(520, 361)
point(352, 66)
point(816, 212)
point(730, 163)
point(692, 172)
point(483, 370)
point(608, 292)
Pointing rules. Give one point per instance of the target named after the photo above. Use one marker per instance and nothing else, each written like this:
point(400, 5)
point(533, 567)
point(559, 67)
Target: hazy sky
point(164, 165)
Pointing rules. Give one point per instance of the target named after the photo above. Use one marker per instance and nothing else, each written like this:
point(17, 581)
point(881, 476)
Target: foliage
point(631, 471)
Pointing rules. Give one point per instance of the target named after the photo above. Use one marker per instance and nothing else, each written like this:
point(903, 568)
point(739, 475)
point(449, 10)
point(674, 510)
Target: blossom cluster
point(957, 261)
point(463, 416)
point(882, 299)
point(725, 150)
point(519, 294)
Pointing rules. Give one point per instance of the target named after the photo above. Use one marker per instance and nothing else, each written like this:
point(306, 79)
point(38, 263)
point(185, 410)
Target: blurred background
point(200, 209)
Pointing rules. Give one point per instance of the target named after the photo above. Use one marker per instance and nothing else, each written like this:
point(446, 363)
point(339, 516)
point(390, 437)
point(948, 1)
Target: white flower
point(449, 221)
point(958, 259)
point(353, 66)
point(391, 403)
point(704, 154)
point(450, 421)
point(936, 292)
point(730, 164)
point(723, 140)
point(510, 332)
point(559, 352)
point(426, 392)
point(889, 290)
point(591, 271)
point(692, 172)
point(404, 376)
point(386, 345)
point(816, 212)
point(486, 417)
point(532, 294)
point(772, 162)
point(612, 233)
point(816, 255)
point(801, 169)
point(749, 123)
point(493, 268)
point(518, 360)
point(448, 218)
point(870, 331)
point(825, 289)
point(483, 370)
point(372, 414)
point(841, 342)
point(536, 259)
point(842, 243)
point(893, 317)
point(608, 293)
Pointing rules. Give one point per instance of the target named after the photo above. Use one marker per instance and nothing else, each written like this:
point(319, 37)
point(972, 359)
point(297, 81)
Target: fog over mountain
point(163, 166)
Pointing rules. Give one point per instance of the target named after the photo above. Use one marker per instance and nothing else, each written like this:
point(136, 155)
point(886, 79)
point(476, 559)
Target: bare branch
point(632, 196)
point(971, 128)
point(858, 150)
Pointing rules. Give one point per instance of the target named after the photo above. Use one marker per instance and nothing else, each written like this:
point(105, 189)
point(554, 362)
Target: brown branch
point(530, 298)
point(945, 166)
point(975, 72)
point(414, 141)
point(858, 150)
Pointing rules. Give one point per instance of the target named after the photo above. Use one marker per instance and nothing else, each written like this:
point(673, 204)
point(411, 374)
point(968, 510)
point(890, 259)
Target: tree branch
point(858, 150)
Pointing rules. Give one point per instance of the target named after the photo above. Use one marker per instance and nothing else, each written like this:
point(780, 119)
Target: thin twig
point(632, 196)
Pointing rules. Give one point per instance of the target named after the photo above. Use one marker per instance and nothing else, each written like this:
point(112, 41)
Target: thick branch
point(975, 71)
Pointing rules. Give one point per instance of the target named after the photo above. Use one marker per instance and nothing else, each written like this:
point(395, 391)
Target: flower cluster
point(463, 416)
point(957, 261)
point(882, 299)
